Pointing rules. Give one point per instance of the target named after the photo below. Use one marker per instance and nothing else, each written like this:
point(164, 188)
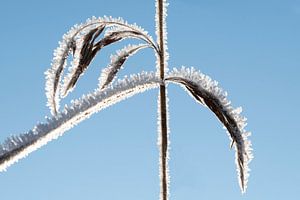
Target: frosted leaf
point(81, 64)
point(71, 42)
point(83, 57)
point(109, 73)
point(207, 92)
point(17, 147)
point(54, 73)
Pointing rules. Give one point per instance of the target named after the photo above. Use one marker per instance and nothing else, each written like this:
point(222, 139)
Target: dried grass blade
point(86, 55)
point(89, 51)
point(54, 73)
point(109, 73)
point(207, 93)
point(116, 36)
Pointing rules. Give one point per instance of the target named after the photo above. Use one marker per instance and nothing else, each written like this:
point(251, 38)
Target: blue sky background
point(251, 47)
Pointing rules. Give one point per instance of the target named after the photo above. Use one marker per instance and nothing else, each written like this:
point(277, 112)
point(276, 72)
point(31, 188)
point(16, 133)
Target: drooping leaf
point(69, 44)
point(89, 51)
point(109, 73)
point(206, 92)
point(54, 73)
point(86, 54)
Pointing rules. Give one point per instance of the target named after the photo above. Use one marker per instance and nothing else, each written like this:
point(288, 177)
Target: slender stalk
point(162, 102)
point(164, 142)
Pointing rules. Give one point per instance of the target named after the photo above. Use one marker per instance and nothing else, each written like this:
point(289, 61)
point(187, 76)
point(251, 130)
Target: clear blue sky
point(251, 47)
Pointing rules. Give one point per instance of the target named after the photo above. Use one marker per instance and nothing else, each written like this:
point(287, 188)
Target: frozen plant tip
point(83, 42)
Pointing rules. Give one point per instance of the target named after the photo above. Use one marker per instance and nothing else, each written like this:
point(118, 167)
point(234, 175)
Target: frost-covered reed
point(83, 42)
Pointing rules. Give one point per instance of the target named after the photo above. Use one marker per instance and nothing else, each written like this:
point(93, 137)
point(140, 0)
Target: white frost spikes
point(83, 41)
point(54, 73)
point(207, 92)
point(73, 41)
point(83, 56)
point(109, 73)
point(161, 30)
point(17, 147)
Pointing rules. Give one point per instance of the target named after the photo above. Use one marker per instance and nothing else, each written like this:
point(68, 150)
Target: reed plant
point(82, 43)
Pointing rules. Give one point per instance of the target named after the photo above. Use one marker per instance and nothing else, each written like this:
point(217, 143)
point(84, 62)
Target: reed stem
point(163, 103)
